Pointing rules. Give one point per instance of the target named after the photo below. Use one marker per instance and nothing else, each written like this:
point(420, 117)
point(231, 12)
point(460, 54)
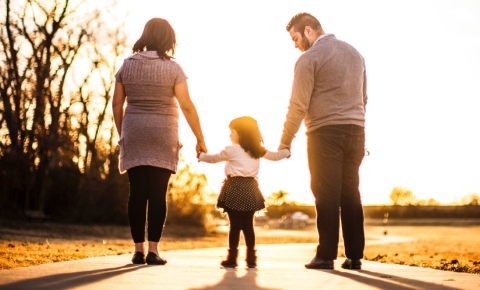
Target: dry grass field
point(24, 244)
point(452, 248)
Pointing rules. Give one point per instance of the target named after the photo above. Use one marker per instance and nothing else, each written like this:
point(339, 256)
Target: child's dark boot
point(251, 258)
point(231, 261)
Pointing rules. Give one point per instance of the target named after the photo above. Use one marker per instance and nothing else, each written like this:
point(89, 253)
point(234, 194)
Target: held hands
point(289, 153)
point(285, 147)
point(201, 147)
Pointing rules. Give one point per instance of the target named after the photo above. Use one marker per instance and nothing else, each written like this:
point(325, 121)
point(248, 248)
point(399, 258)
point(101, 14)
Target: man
point(329, 93)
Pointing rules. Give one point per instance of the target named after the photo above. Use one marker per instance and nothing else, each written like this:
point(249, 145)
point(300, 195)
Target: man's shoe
point(352, 264)
point(318, 263)
point(138, 258)
point(154, 259)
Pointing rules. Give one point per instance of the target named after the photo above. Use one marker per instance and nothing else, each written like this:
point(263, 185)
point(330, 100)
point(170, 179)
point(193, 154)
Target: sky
point(423, 71)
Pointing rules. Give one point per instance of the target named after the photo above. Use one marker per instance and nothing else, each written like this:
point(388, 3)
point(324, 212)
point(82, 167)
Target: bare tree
point(403, 196)
point(277, 198)
point(471, 199)
point(56, 79)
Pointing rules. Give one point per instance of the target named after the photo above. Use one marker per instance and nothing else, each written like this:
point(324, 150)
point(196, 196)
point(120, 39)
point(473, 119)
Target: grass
point(25, 244)
point(452, 248)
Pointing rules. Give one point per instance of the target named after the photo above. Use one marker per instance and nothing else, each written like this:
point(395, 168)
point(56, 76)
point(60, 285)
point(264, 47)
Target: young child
point(240, 196)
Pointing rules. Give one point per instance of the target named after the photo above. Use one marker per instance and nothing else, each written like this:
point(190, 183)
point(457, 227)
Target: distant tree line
point(405, 204)
point(58, 148)
point(404, 196)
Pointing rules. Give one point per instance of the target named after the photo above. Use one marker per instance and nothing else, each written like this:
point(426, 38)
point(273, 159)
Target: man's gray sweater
point(329, 88)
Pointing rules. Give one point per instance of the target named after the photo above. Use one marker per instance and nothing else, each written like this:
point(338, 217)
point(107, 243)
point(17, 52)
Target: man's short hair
point(299, 21)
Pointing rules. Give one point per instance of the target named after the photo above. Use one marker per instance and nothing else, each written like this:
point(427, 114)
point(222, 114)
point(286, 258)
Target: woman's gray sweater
point(150, 124)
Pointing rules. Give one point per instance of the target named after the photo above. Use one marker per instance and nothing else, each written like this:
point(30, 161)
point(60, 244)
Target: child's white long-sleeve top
point(239, 162)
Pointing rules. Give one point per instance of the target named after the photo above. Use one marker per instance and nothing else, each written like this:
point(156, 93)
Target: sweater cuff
point(286, 140)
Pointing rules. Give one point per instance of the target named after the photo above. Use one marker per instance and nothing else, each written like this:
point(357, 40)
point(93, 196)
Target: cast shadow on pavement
point(230, 280)
point(71, 280)
point(393, 282)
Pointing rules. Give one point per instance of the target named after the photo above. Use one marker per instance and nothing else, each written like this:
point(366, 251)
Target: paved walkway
point(279, 267)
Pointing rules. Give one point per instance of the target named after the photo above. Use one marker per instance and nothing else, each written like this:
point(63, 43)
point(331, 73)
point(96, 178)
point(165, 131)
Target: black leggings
point(148, 185)
point(241, 221)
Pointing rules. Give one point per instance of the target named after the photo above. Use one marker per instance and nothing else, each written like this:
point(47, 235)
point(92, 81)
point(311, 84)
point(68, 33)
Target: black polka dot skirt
point(241, 194)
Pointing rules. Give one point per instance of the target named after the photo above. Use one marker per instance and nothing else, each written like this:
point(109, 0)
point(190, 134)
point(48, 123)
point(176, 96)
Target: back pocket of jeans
point(330, 145)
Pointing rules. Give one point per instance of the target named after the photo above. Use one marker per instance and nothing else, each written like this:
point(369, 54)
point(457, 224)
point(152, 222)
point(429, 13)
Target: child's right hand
point(281, 147)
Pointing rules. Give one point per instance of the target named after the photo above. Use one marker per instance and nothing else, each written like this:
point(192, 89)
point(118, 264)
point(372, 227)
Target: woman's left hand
point(201, 147)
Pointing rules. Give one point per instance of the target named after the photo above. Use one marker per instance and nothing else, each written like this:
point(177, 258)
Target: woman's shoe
point(138, 258)
point(231, 261)
point(154, 259)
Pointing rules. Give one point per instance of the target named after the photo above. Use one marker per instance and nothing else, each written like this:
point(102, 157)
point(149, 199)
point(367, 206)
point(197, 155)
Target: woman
point(149, 81)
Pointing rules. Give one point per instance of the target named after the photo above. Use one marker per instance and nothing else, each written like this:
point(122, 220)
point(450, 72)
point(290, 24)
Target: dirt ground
point(445, 247)
point(452, 248)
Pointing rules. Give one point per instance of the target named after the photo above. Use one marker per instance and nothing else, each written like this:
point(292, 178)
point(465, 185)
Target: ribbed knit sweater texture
point(150, 124)
point(329, 88)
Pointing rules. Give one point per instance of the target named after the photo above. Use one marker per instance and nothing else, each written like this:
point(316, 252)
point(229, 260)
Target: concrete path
point(279, 267)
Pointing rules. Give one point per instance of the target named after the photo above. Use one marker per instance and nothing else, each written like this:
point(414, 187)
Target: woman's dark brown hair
point(249, 134)
point(157, 35)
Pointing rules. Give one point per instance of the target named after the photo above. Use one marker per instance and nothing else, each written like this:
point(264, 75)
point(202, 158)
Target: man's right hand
point(285, 147)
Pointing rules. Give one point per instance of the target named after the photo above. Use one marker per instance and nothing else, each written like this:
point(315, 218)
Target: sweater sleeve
point(214, 158)
point(365, 96)
point(119, 74)
point(180, 75)
point(275, 156)
point(302, 88)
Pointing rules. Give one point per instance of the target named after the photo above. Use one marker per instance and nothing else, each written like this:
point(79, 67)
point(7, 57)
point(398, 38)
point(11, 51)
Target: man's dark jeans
point(334, 157)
